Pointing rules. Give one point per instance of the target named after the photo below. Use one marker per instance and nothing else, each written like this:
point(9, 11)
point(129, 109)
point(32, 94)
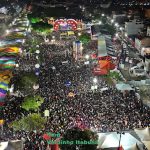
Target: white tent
point(144, 134)
point(133, 147)
point(123, 87)
point(3, 145)
point(147, 144)
point(111, 140)
point(11, 145)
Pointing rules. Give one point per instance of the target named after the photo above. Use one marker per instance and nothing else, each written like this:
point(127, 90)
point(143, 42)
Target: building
point(147, 13)
point(99, 30)
point(147, 64)
point(102, 51)
point(120, 18)
point(77, 50)
point(133, 27)
point(148, 31)
point(143, 45)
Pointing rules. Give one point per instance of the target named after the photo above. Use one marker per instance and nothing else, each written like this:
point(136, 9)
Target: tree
point(111, 29)
point(35, 20)
point(85, 38)
point(42, 27)
point(76, 134)
point(32, 102)
point(26, 81)
point(29, 123)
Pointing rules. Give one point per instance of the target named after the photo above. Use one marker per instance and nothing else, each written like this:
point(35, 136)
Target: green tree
point(115, 75)
point(32, 102)
point(42, 27)
point(85, 38)
point(76, 134)
point(35, 20)
point(28, 80)
point(111, 29)
point(29, 123)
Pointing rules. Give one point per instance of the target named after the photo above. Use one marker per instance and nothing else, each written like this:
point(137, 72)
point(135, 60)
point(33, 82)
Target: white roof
point(123, 87)
point(147, 144)
point(111, 140)
point(3, 145)
point(144, 134)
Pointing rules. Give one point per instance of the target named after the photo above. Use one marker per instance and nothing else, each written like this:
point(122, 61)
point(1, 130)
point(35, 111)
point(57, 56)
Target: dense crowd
point(100, 111)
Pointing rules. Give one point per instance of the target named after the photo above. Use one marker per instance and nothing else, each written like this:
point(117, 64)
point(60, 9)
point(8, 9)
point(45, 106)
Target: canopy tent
point(111, 140)
point(123, 87)
point(144, 134)
point(133, 147)
point(147, 144)
point(103, 67)
point(11, 145)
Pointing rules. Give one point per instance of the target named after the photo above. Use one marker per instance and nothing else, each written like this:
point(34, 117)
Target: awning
point(123, 87)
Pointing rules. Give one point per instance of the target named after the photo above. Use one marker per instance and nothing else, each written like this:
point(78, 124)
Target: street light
point(87, 56)
point(112, 20)
point(117, 35)
point(95, 80)
point(99, 22)
point(7, 31)
point(37, 51)
point(37, 66)
point(17, 65)
point(121, 28)
point(35, 87)
point(37, 57)
point(126, 35)
point(120, 133)
point(116, 24)
point(79, 34)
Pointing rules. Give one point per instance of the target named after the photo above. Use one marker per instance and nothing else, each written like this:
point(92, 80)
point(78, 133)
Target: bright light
point(29, 29)
point(17, 65)
point(121, 28)
point(117, 35)
point(87, 62)
point(35, 87)
point(53, 37)
point(126, 35)
point(103, 15)
point(95, 87)
point(53, 40)
point(37, 57)
point(7, 31)
point(116, 24)
point(87, 56)
point(99, 22)
point(37, 66)
point(79, 34)
point(143, 48)
point(95, 80)
point(23, 41)
point(37, 51)
point(112, 20)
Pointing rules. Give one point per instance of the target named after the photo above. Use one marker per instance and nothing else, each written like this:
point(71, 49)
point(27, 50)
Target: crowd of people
point(100, 111)
point(104, 111)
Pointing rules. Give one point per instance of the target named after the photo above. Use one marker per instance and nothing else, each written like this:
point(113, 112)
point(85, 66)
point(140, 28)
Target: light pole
point(120, 133)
